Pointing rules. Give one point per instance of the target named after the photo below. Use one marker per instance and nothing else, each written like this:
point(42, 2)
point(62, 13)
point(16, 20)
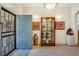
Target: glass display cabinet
point(7, 21)
point(47, 31)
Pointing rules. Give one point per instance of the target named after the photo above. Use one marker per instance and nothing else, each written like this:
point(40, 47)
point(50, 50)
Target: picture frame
point(60, 25)
point(35, 25)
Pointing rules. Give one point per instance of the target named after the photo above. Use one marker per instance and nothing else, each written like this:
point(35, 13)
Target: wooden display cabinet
point(47, 31)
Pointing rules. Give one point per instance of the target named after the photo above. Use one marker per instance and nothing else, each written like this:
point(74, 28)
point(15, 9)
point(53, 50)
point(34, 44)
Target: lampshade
point(50, 5)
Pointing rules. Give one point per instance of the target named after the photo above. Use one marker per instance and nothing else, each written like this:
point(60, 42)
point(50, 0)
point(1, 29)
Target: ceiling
point(35, 4)
point(14, 7)
point(42, 4)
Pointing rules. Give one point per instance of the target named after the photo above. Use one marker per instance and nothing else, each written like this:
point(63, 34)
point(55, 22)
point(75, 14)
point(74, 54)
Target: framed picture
point(60, 25)
point(35, 25)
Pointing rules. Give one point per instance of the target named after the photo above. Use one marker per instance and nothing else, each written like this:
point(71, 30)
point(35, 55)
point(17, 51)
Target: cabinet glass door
point(47, 31)
point(8, 31)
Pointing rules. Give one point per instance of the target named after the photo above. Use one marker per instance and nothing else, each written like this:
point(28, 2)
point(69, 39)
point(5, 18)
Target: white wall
point(65, 14)
point(74, 10)
point(0, 9)
point(38, 32)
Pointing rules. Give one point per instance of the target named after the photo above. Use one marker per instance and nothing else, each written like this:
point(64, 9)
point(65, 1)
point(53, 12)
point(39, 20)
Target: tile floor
point(58, 50)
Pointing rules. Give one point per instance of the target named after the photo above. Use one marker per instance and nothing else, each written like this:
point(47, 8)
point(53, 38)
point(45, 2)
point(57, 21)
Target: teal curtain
point(24, 32)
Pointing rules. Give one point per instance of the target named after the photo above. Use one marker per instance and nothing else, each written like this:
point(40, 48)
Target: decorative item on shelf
point(60, 25)
point(35, 39)
point(69, 31)
point(47, 41)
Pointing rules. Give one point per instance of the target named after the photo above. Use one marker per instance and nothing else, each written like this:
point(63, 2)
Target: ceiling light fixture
point(50, 5)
